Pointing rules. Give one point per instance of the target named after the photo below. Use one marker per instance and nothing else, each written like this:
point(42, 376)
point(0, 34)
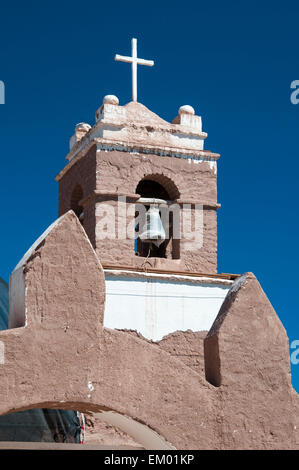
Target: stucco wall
point(157, 305)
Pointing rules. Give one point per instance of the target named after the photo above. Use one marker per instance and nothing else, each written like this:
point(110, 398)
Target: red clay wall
point(118, 173)
point(65, 358)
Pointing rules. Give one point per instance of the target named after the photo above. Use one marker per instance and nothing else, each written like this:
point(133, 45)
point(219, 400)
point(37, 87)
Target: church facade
point(133, 160)
point(121, 299)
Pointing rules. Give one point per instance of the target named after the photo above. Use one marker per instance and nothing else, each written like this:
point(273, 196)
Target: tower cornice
point(134, 128)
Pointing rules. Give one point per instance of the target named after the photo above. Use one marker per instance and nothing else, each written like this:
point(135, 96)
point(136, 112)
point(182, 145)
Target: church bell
point(153, 231)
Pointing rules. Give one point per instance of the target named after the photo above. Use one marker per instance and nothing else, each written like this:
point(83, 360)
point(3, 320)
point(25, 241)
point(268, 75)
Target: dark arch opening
point(150, 188)
point(158, 182)
point(159, 187)
point(41, 425)
point(77, 196)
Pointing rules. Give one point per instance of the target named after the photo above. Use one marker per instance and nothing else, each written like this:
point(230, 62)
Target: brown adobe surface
point(65, 358)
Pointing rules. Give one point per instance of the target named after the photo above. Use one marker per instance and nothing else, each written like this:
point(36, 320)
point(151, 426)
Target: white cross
point(134, 61)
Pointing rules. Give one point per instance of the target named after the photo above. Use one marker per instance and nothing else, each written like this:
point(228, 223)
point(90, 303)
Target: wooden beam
point(228, 276)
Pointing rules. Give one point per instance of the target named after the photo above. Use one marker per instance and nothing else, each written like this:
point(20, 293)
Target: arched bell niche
point(163, 190)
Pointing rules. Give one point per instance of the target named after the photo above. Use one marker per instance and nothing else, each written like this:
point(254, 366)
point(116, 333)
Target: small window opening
point(77, 196)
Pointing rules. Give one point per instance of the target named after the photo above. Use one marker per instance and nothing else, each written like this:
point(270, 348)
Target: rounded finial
point(186, 109)
point(83, 126)
point(111, 99)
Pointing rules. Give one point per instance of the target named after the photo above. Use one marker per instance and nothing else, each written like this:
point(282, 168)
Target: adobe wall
point(247, 353)
point(118, 173)
point(83, 173)
point(65, 358)
point(98, 432)
point(188, 346)
point(122, 171)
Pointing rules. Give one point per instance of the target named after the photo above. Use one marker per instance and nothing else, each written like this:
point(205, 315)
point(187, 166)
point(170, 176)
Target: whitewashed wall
point(156, 306)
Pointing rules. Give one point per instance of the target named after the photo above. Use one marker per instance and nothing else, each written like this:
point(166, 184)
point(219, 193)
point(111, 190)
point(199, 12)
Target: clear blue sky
point(232, 61)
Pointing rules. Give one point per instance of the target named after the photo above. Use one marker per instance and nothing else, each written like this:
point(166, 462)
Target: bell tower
point(145, 191)
point(133, 173)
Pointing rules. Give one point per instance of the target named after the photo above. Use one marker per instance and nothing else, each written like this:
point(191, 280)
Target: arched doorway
point(107, 429)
